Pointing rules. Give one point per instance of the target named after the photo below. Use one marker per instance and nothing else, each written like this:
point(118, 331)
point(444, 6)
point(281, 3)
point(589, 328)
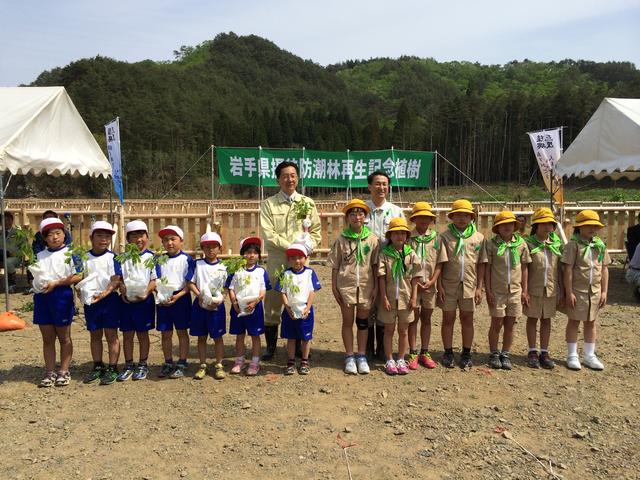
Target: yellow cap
point(543, 215)
point(421, 209)
point(461, 206)
point(504, 217)
point(397, 225)
point(588, 217)
point(356, 203)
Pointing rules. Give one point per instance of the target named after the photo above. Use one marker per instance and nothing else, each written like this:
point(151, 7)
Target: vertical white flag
point(547, 148)
point(113, 148)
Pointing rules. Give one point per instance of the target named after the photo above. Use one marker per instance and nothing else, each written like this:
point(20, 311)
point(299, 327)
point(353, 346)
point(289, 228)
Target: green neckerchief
point(596, 242)
point(361, 250)
point(554, 245)
point(397, 269)
point(470, 230)
point(512, 246)
point(423, 241)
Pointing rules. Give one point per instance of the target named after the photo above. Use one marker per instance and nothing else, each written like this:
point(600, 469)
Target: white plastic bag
point(136, 284)
point(40, 278)
point(211, 295)
point(242, 304)
point(164, 291)
point(297, 308)
point(88, 287)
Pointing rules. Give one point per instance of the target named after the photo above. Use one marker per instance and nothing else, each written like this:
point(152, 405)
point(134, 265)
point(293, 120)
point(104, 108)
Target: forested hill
point(245, 91)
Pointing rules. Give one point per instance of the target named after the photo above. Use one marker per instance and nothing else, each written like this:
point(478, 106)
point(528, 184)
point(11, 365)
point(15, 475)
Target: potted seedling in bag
point(89, 286)
point(246, 292)
point(137, 279)
point(290, 289)
point(164, 288)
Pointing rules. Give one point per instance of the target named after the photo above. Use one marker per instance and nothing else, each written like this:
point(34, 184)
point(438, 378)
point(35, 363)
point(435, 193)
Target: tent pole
point(4, 246)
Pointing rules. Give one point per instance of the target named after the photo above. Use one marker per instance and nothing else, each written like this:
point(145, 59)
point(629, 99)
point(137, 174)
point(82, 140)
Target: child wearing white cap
point(138, 307)
point(102, 310)
point(208, 315)
point(53, 302)
point(175, 273)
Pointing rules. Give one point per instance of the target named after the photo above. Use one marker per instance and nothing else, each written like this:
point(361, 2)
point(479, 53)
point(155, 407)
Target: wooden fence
point(197, 217)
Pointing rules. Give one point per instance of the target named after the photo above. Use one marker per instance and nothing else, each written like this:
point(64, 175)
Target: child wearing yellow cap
point(399, 271)
point(586, 280)
point(506, 284)
point(462, 278)
point(424, 242)
point(545, 248)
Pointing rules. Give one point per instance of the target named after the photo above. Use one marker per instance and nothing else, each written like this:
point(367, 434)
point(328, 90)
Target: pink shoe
point(426, 360)
point(254, 368)
point(390, 367)
point(402, 366)
point(238, 365)
point(413, 361)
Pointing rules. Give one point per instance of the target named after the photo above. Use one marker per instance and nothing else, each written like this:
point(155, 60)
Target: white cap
point(171, 229)
point(210, 237)
point(49, 223)
point(135, 226)
point(101, 225)
point(297, 249)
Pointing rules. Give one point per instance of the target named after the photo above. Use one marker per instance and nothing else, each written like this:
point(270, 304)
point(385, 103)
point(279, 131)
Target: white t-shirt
point(249, 283)
point(306, 280)
point(212, 274)
point(139, 270)
point(178, 270)
point(380, 217)
point(54, 263)
point(104, 266)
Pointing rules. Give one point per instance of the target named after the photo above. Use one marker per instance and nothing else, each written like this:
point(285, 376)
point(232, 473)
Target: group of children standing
point(404, 276)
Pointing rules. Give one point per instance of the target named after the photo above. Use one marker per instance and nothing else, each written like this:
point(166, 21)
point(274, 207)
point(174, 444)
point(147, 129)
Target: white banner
point(547, 148)
point(113, 147)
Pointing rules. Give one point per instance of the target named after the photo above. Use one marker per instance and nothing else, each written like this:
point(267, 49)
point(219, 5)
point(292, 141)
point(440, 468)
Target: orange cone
point(10, 321)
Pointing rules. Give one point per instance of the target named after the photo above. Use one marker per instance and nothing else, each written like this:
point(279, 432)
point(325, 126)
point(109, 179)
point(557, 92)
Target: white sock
point(255, 359)
point(589, 349)
point(240, 357)
point(572, 349)
point(544, 350)
point(534, 349)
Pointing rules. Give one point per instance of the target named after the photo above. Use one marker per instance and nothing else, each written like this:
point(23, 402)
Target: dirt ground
point(430, 424)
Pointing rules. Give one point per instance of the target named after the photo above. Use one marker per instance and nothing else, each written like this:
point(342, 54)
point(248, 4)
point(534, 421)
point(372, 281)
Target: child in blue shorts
point(208, 315)
point(298, 285)
point(174, 310)
point(138, 306)
point(247, 288)
point(102, 308)
point(53, 302)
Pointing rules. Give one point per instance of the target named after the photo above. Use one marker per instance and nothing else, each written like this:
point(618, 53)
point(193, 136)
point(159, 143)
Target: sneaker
point(413, 361)
point(447, 360)
point(545, 361)
point(465, 360)
point(141, 371)
point(425, 360)
point(254, 368)
point(166, 370)
point(506, 361)
point(202, 372)
point(304, 368)
point(127, 373)
point(593, 362)
point(94, 375)
point(350, 365)
point(533, 360)
point(179, 371)
point(110, 376)
point(218, 373)
point(363, 366)
point(402, 366)
point(290, 369)
point(48, 380)
point(62, 379)
point(238, 365)
point(390, 367)
point(573, 363)
point(494, 360)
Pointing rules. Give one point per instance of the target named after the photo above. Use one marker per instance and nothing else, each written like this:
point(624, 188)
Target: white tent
point(608, 145)
point(42, 132)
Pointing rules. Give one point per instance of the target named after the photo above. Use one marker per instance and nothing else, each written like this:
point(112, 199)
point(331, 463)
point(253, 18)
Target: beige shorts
point(361, 300)
point(541, 307)
point(427, 298)
point(454, 300)
point(586, 307)
point(399, 316)
point(508, 305)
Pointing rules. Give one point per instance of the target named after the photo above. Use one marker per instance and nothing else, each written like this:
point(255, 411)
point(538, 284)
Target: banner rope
point(185, 173)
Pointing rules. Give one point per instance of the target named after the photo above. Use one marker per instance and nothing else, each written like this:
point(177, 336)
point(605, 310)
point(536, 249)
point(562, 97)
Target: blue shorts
point(296, 329)
point(104, 314)
point(252, 324)
point(54, 308)
point(206, 322)
point(138, 316)
point(175, 316)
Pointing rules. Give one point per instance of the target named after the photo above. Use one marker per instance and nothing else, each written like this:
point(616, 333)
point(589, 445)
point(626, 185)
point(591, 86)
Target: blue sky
point(40, 35)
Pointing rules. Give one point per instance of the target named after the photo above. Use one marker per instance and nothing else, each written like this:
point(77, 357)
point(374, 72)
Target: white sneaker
point(573, 363)
point(350, 366)
point(363, 366)
point(593, 362)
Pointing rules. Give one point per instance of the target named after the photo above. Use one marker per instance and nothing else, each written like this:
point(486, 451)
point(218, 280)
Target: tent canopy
point(608, 145)
point(42, 132)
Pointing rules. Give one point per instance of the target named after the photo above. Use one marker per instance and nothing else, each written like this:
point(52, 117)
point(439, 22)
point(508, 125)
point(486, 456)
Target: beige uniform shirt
point(433, 255)
point(462, 268)
point(587, 271)
point(399, 289)
point(543, 273)
point(355, 282)
point(505, 277)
